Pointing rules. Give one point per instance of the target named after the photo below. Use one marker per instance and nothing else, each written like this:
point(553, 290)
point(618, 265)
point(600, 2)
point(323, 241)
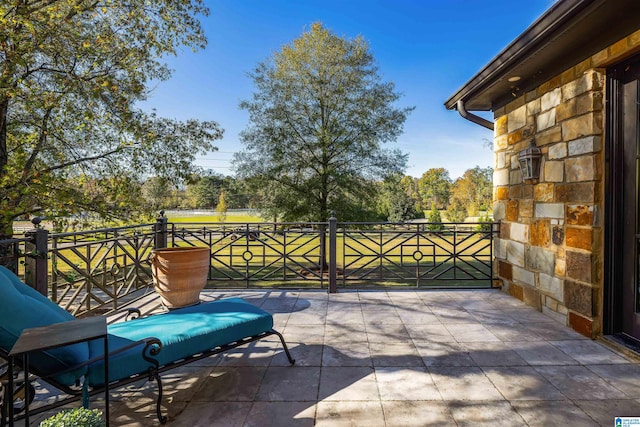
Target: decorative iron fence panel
point(13, 253)
point(98, 270)
point(254, 254)
point(102, 269)
point(431, 255)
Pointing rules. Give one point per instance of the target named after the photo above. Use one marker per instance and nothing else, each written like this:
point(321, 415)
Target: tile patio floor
point(397, 358)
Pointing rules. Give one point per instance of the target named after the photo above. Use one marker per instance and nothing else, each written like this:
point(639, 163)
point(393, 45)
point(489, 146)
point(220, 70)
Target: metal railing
point(431, 255)
point(251, 253)
point(100, 270)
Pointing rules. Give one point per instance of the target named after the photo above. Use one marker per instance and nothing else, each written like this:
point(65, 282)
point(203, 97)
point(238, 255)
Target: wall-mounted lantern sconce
point(530, 159)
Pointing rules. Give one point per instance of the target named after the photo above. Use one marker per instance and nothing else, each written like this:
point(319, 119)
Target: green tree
point(474, 189)
point(318, 118)
point(221, 207)
point(204, 191)
point(156, 192)
point(457, 210)
point(435, 187)
point(435, 220)
point(72, 73)
point(394, 203)
point(410, 186)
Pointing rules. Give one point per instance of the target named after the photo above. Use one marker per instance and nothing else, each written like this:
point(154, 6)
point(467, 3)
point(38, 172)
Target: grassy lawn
point(243, 218)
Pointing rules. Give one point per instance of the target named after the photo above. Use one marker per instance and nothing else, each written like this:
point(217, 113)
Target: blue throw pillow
point(22, 307)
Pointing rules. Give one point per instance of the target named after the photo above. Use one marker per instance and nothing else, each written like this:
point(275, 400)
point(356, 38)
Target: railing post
point(36, 272)
point(161, 232)
point(333, 253)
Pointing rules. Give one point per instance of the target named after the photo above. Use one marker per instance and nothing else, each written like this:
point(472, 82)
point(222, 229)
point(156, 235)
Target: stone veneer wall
point(550, 248)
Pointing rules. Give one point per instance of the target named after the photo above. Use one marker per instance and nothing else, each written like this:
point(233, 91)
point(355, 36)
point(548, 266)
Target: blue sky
point(428, 48)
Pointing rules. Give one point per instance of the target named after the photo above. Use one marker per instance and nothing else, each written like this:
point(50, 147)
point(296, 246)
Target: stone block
point(560, 269)
point(558, 151)
point(515, 253)
point(566, 110)
point(581, 324)
point(580, 126)
point(579, 297)
point(514, 162)
point(533, 107)
point(634, 39)
point(527, 191)
point(555, 82)
point(505, 270)
point(502, 160)
point(557, 235)
point(568, 75)
point(516, 291)
point(502, 193)
point(525, 208)
point(554, 171)
point(520, 232)
point(499, 211)
point(581, 192)
point(543, 192)
point(514, 137)
point(552, 286)
point(500, 126)
point(512, 210)
point(505, 230)
point(579, 238)
point(546, 120)
point(517, 118)
point(530, 130)
point(500, 177)
point(586, 145)
point(591, 101)
point(532, 297)
point(500, 248)
point(500, 142)
point(515, 177)
point(600, 58)
point(549, 136)
point(540, 233)
point(580, 266)
point(580, 169)
point(514, 105)
point(587, 81)
point(523, 276)
point(515, 192)
point(549, 210)
point(583, 66)
point(550, 99)
point(619, 48)
point(538, 259)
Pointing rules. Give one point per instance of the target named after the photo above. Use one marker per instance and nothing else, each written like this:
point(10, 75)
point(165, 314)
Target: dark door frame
point(613, 199)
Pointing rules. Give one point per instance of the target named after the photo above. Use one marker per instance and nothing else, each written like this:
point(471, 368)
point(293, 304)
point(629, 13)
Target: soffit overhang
point(565, 35)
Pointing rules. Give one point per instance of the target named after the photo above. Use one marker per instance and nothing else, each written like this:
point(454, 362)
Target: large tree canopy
point(318, 118)
point(71, 74)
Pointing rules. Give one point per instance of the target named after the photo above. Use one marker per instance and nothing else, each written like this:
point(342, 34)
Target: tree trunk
point(6, 222)
point(4, 156)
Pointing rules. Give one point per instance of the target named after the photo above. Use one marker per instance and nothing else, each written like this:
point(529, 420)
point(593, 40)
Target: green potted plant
point(77, 417)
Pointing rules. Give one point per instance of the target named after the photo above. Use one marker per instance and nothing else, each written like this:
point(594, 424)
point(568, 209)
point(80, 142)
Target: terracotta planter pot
point(179, 274)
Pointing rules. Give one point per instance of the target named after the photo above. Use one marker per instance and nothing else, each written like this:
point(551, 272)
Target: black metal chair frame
point(152, 346)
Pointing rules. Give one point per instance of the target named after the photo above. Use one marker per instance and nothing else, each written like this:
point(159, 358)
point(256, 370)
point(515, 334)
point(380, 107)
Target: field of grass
point(230, 218)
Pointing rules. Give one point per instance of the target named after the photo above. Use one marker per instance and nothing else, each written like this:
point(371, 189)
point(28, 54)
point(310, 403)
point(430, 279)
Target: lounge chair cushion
point(22, 307)
point(183, 332)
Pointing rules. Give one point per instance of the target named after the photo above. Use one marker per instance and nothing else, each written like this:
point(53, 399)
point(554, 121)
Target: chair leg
point(286, 349)
point(161, 418)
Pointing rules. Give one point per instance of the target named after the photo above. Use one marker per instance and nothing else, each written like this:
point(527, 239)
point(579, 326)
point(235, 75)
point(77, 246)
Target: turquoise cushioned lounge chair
point(138, 348)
